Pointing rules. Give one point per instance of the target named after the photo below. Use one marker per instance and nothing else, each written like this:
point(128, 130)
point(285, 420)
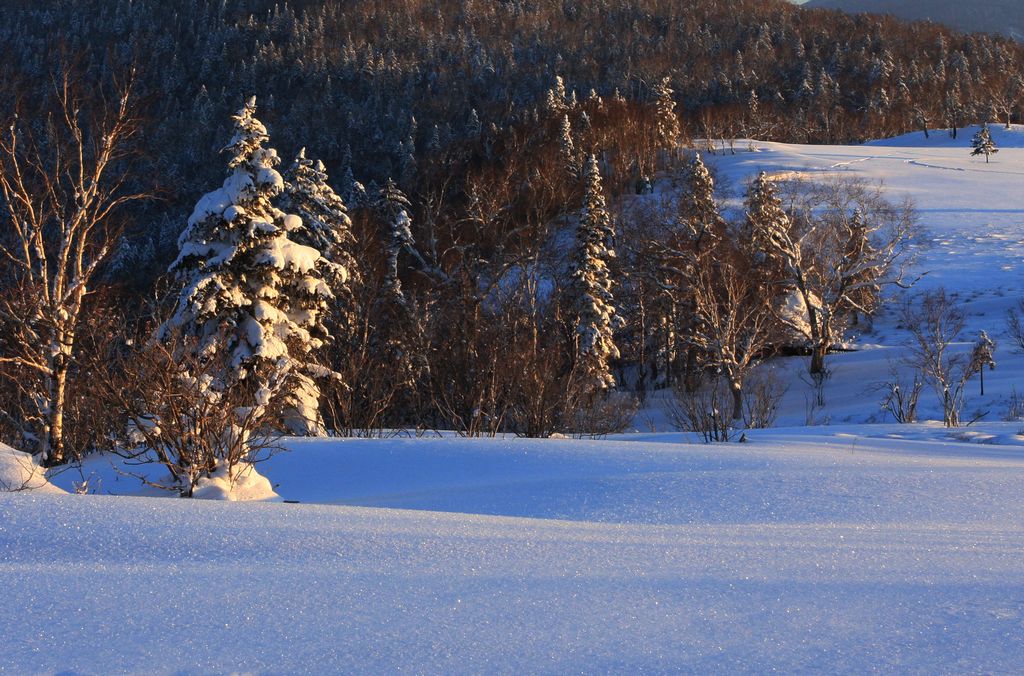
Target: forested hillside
point(390, 89)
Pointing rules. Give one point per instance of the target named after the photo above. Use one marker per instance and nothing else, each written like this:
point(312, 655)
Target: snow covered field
point(844, 548)
point(794, 552)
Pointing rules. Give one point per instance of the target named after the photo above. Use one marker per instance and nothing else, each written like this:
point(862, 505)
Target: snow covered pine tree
point(983, 144)
point(983, 355)
point(326, 227)
point(394, 313)
point(591, 290)
point(668, 120)
point(698, 212)
point(394, 206)
point(568, 148)
point(253, 299)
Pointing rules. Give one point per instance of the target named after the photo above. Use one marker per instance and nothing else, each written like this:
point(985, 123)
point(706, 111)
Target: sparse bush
point(816, 384)
point(177, 419)
point(1015, 407)
point(705, 411)
point(900, 399)
point(1015, 326)
point(606, 413)
point(763, 395)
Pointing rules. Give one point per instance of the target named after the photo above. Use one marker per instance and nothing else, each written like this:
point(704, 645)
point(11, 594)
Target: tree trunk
point(820, 332)
point(55, 442)
point(818, 358)
point(692, 381)
point(737, 401)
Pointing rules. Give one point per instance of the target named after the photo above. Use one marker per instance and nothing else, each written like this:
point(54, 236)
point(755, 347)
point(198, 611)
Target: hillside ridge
point(1005, 17)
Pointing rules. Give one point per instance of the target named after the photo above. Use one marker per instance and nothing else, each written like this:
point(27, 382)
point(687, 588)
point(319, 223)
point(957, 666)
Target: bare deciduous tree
point(935, 322)
point(62, 179)
point(900, 398)
point(732, 324)
point(1015, 325)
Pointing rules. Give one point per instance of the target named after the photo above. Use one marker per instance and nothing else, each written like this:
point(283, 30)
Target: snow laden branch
point(63, 178)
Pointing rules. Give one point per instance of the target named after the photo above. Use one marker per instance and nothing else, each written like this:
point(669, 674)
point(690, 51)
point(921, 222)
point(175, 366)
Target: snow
point(268, 176)
point(796, 552)
point(845, 547)
point(282, 253)
point(243, 483)
point(21, 472)
point(237, 187)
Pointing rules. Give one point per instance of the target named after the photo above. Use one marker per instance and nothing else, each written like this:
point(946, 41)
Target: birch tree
point(731, 320)
point(63, 180)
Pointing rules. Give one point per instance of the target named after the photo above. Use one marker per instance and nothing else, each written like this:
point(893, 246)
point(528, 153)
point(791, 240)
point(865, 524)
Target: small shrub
point(763, 394)
point(704, 411)
point(900, 399)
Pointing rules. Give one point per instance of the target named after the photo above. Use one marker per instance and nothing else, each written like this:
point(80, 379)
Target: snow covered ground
point(973, 211)
point(846, 547)
point(796, 552)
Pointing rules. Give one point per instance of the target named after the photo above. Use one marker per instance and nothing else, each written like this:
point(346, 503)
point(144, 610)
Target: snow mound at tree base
point(20, 471)
point(242, 483)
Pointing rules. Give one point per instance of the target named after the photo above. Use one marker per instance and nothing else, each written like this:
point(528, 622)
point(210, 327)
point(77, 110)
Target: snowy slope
point(794, 552)
point(844, 548)
point(972, 213)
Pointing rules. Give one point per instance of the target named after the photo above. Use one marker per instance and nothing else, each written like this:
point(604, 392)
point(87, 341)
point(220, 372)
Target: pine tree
point(556, 100)
point(668, 121)
point(983, 355)
point(397, 334)
point(699, 215)
point(953, 109)
point(753, 114)
point(769, 224)
point(592, 300)
point(353, 193)
point(325, 222)
point(394, 206)
point(253, 299)
point(779, 251)
point(326, 227)
point(474, 127)
point(568, 148)
point(983, 144)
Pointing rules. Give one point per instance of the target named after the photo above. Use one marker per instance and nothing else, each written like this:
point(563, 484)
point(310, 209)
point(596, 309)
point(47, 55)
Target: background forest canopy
point(489, 126)
point(406, 89)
